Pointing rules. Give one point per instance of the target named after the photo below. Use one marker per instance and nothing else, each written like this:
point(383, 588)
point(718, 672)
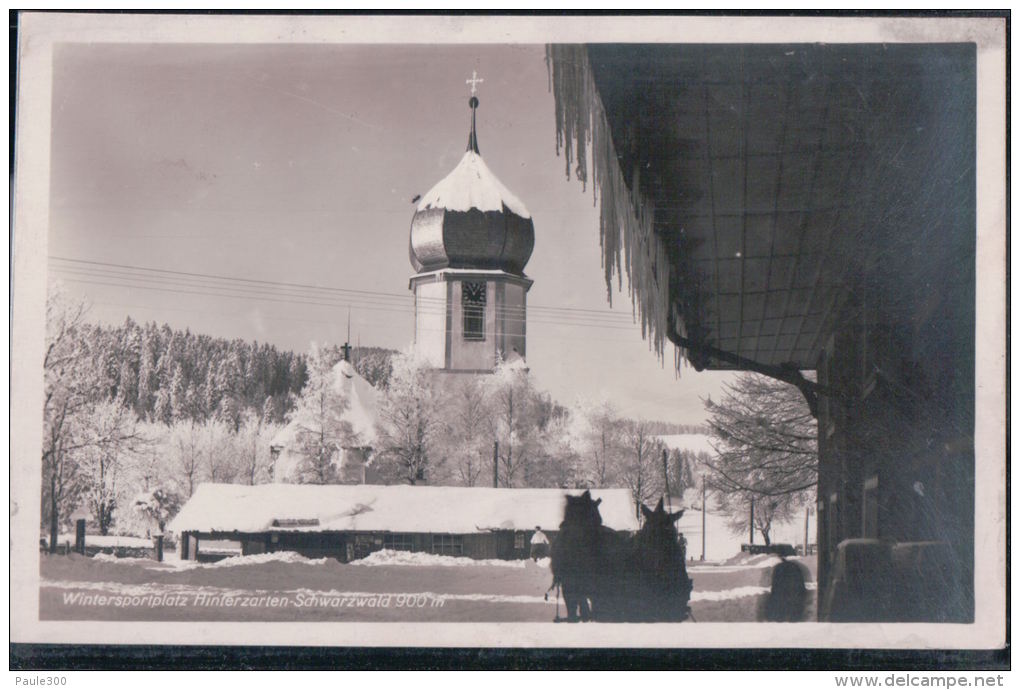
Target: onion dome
point(469, 220)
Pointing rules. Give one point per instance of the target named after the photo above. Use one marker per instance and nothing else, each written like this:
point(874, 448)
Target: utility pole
point(495, 464)
point(807, 513)
point(704, 511)
point(752, 521)
point(665, 476)
point(347, 345)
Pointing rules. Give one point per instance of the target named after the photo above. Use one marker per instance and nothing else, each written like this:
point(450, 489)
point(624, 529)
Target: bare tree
point(640, 468)
point(73, 381)
point(186, 445)
point(766, 443)
point(745, 510)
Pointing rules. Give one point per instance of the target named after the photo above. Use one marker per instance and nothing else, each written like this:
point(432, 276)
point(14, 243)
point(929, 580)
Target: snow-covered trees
point(184, 446)
point(318, 417)
point(72, 377)
point(513, 421)
point(597, 432)
point(156, 507)
point(138, 409)
point(467, 443)
point(169, 375)
point(767, 451)
point(111, 441)
point(375, 365)
point(641, 469)
point(88, 434)
point(251, 447)
point(684, 469)
point(410, 423)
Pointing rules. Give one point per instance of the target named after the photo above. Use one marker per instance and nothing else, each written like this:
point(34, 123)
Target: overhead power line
point(179, 282)
point(602, 313)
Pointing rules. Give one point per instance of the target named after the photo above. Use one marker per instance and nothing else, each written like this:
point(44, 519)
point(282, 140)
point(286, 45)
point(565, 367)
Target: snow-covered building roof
point(374, 508)
point(362, 408)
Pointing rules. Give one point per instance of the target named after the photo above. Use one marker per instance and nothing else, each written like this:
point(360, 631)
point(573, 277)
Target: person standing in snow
point(539, 544)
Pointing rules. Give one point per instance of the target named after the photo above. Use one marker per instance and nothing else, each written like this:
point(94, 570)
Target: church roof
point(471, 185)
point(362, 411)
point(470, 220)
point(398, 508)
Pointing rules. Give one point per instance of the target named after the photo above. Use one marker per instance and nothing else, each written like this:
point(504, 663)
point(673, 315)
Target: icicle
point(626, 228)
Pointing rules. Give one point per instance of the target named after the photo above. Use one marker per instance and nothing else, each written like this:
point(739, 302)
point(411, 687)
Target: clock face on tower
point(474, 292)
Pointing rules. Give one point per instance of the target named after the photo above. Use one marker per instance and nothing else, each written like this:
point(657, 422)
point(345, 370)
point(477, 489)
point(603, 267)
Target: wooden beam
point(808, 212)
point(786, 372)
point(746, 106)
point(775, 222)
point(709, 164)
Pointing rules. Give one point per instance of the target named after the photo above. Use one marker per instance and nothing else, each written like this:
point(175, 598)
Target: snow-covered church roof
point(362, 407)
point(472, 185)
point(470, 220)
point(374, 508)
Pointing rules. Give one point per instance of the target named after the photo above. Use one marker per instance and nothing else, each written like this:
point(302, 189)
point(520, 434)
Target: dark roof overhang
point(751, 191)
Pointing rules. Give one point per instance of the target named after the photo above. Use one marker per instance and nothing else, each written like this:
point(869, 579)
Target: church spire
point(475, 80)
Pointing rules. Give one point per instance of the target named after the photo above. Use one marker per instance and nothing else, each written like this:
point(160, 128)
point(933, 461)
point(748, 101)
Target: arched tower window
point(473, 303)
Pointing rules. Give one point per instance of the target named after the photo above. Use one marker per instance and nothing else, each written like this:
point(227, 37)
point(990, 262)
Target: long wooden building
point(348, 522)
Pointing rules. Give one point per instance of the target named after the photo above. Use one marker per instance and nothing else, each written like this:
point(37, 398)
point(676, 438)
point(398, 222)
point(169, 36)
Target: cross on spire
point(475, 80)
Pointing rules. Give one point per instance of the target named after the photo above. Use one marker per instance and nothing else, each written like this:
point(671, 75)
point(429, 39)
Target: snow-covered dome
point(471, 220)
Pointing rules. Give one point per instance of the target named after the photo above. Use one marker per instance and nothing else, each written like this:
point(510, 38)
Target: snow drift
point(388, 557)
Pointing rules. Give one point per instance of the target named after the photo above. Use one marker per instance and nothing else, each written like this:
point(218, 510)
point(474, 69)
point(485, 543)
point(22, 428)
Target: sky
point(297, 164)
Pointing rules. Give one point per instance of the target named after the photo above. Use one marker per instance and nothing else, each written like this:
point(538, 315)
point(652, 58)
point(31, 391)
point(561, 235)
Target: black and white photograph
point(529, 331)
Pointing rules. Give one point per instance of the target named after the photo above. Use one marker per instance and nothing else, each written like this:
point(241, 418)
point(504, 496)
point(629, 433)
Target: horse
point(606, 575)
point(663, 588)
point(643, 578)
point(574, 554)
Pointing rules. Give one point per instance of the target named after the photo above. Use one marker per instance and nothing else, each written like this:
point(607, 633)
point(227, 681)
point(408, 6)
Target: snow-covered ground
point(230, 562)
point(287, 587)
point(408, 558)
point(109, 541)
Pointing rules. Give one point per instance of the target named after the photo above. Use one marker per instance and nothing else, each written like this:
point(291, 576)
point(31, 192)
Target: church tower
point(470, 241)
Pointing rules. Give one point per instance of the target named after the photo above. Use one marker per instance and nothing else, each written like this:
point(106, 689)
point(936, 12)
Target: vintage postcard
point(509, 331)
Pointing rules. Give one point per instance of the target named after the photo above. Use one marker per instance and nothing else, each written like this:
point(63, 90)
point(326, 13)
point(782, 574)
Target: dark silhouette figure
point(787, 601)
